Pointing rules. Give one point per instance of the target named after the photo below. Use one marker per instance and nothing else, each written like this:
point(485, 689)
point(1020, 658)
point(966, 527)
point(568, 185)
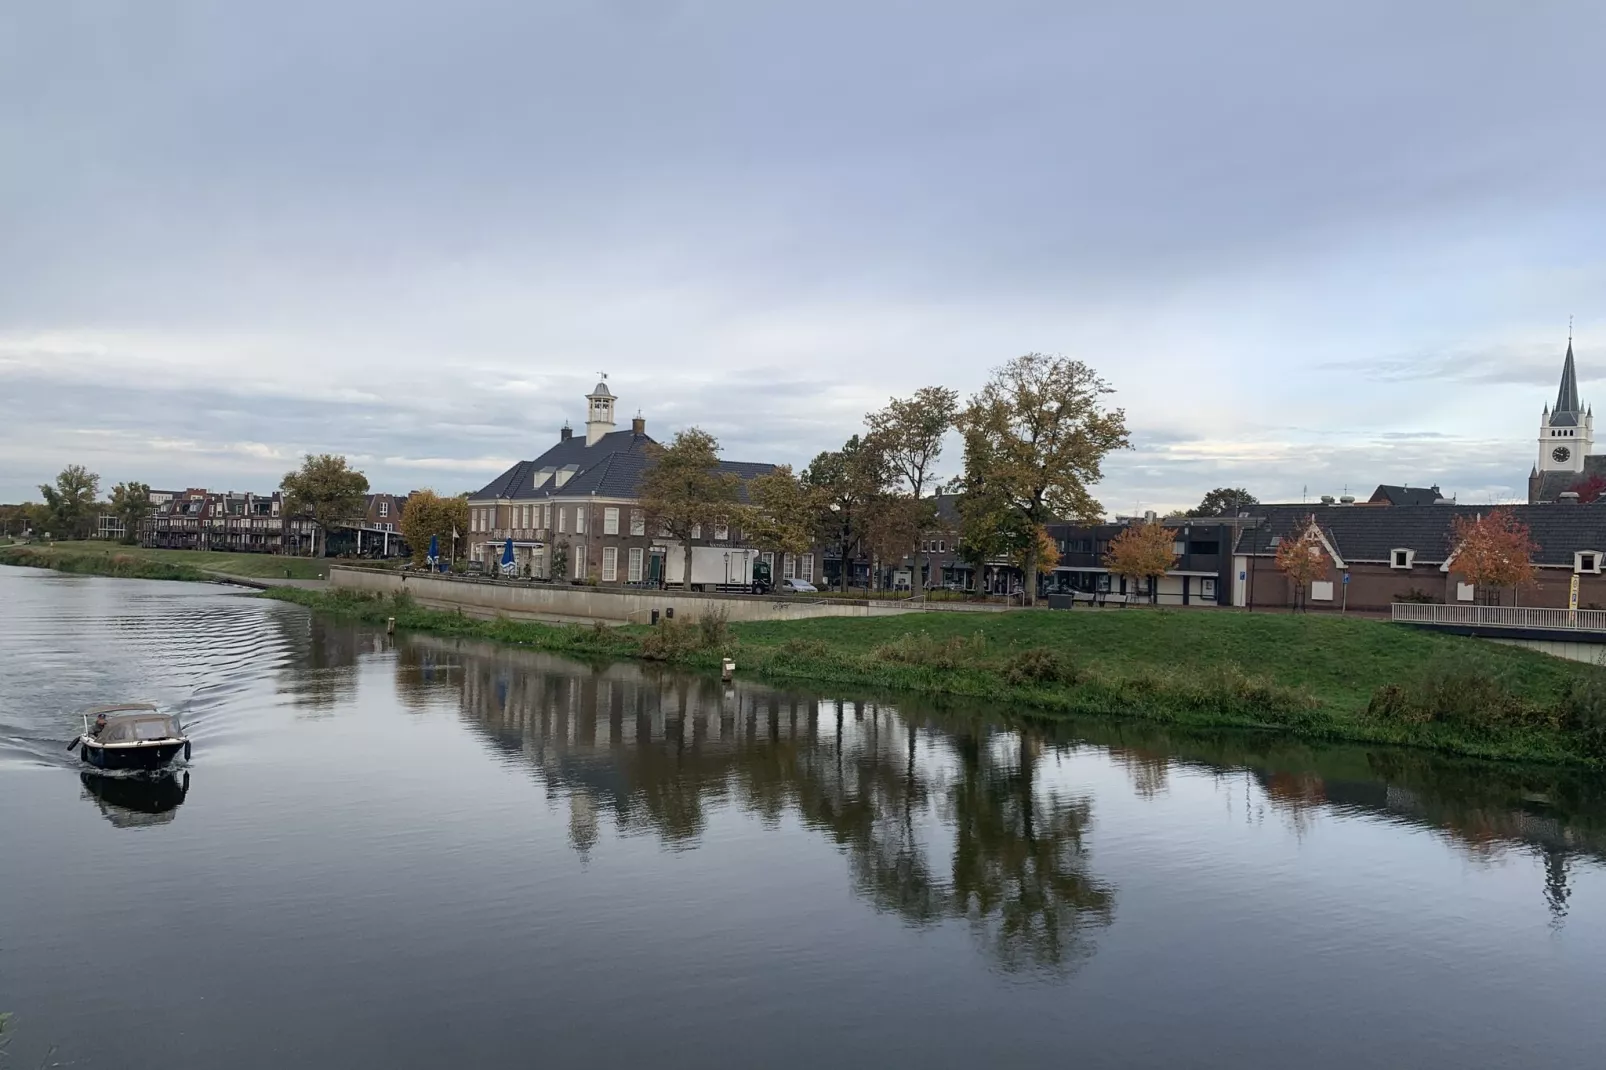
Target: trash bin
point(1061, 601)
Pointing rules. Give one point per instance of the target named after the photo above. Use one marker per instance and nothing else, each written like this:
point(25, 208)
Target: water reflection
point(136, 801)
point(949, 826)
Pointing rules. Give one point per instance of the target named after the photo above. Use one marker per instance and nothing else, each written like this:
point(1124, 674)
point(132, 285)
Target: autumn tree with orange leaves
point(1303, 559)
point(1494, 549)
point(1142, 551)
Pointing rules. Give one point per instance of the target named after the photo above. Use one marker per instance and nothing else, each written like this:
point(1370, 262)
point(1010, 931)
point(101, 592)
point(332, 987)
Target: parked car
point(790, 586)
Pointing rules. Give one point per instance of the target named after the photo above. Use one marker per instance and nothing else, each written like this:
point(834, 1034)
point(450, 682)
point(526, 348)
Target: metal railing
point(1561, 620)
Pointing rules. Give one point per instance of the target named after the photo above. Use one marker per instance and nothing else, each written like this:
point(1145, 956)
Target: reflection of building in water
point(934, 825)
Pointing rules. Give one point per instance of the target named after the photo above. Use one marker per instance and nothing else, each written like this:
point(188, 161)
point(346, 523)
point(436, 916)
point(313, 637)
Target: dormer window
point(1587, 561)
point(1402, 558)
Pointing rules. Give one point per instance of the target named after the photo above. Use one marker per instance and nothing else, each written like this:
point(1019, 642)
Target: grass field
point(1313, 676)
point(256, 565)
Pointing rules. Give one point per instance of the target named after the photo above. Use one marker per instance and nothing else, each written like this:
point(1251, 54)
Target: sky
point(1311, 247)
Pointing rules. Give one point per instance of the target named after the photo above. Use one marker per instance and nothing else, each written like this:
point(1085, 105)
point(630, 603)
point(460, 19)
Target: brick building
point(577, 504)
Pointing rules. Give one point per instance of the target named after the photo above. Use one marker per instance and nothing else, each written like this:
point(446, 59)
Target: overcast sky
point(1310, 246)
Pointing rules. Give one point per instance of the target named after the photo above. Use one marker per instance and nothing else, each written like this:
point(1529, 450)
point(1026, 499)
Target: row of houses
point(201, 519)
point(573, 513)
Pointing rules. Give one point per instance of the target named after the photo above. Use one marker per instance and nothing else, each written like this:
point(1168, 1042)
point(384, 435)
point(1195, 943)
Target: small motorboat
point(134, 736)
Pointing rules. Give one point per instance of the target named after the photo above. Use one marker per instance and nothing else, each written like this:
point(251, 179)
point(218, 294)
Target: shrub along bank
point(1318, 677)
point(102, 563)
point(95, 556)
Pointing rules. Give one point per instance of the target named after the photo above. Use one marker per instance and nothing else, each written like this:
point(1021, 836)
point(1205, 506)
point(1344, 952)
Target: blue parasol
point(507, 557)
point(434, 552)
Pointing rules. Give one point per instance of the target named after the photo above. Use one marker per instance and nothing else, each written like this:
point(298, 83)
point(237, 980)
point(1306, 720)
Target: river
point(411, 852)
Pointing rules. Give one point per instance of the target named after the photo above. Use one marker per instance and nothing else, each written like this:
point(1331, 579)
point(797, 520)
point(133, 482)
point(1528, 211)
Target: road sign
point(1242, 574)
point(1346, 577)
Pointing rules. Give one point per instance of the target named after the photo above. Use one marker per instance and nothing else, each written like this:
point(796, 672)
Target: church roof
point(1547, 486)
point(1567, 393)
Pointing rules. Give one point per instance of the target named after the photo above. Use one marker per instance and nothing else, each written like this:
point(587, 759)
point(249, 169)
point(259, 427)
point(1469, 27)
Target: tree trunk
point(685, 578)
point(842, 573)
point(1028, 592)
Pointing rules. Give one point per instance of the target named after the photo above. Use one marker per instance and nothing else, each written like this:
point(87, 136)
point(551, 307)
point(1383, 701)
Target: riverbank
point(1313, 676)
point(139, 562)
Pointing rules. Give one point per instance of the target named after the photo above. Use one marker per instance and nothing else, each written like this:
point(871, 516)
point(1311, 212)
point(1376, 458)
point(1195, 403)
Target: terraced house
point(575, 512)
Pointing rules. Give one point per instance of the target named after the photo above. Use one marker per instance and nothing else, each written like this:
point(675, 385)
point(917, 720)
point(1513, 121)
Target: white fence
point(1561, 620)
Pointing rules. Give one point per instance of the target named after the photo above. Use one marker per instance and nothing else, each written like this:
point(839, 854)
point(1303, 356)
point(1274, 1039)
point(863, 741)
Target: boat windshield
point(133, 729)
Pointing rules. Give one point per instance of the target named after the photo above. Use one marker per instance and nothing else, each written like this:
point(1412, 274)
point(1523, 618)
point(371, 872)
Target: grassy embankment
point(1315, 676)
point(112, 559)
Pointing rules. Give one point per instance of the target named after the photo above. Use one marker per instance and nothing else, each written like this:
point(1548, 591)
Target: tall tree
point(429, 514)
point(1303, 559)
point(70, 503)
point(326, 490)
point(848, 483)
point(132, 504)
point(1493, 550)
point(909, 434)
point(783, 512)
point(684, 490)
point(1142, 552)
point(1037, 435)
point(1223, 501)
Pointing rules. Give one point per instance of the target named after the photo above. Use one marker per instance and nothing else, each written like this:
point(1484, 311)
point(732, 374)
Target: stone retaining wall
point(548, 601)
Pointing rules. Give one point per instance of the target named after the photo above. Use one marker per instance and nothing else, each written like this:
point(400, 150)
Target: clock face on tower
point(1561, 453)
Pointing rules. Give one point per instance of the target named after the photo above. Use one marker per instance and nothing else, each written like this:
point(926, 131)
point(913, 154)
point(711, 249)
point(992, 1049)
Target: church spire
point(1567, 395)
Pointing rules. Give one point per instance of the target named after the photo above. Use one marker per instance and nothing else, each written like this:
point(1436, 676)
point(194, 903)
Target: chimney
point(1327, 499)
point(638, 425)
point(1568, 497)
point(1346, 499)
point(567, 433)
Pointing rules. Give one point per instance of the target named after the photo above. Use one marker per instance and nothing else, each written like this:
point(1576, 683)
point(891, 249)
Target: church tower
point(1566, 432)
point(599, 411)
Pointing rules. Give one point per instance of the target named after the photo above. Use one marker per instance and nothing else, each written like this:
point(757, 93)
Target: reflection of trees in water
point(1482, 809)
point(321, 674)
point(658, 751)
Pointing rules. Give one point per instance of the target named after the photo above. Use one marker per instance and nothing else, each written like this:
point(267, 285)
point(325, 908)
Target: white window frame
point(1394, 557)
point(577, 562)
point(546, 515)
point(805, 568)
point(633, 569)
point(1594, 566)
point(563, 519)
point(384, 508)
point(579, 520)
point(722, 532)
point(610, 564)
point(696, 531)
point(638, 522)
point(1321, 590)
point(610, 520)
point(1465, 592)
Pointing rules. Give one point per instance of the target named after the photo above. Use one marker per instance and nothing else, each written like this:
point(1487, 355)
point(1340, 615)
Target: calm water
point(419, 853)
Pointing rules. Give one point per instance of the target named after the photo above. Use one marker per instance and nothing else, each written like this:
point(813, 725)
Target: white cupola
point(599, 411)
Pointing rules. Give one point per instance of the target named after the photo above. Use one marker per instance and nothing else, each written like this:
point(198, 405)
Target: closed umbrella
point(434, 553)
point(507, 557)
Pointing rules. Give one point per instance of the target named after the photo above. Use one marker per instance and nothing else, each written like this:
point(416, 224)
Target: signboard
point(1242, 575)
point(1572, 594)
point(1346, 577)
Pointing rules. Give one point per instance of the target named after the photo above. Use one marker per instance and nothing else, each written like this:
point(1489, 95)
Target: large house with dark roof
point(574, 512)
point(1380, 556)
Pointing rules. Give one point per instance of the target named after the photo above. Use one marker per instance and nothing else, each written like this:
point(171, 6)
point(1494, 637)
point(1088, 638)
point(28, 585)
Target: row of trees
point(72, 507)
point(1035, 438)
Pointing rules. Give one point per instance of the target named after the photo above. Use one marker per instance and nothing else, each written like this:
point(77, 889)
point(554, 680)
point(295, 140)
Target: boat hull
point(151, 755)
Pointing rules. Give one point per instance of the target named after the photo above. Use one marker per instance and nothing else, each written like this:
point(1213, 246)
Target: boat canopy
point(141, 725)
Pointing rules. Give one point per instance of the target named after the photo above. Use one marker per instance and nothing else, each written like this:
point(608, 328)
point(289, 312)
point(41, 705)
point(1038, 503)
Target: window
point(1464, 592)
point(610, 520)
point(1321, 591)
point(546, 516)
point(563, 519)
point(579, 520)
point(1587, 561)
point(1179, 547)
point(579, 560)
point(1207, 589)
point(942, 546)
point(634, 574)
point(384, 508)
point(1402, 558)
point(610, 564)
point(1204, 546)
point(638, 522)
point(768, 557)
point(696, 531)
point(721, 531)
point(805, 567)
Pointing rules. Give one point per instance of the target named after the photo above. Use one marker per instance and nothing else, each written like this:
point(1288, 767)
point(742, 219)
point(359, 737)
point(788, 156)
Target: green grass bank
point(1312, 676)
point(112, 559)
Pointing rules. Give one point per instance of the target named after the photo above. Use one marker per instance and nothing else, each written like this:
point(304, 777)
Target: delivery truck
point(713, 568)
